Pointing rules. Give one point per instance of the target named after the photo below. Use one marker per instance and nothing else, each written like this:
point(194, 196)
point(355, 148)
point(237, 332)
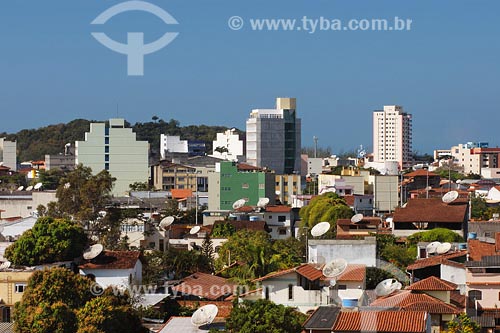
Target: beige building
point(114, 148)
point(392, 136)
point(12, 285)
point(24, 204)
point(286, 187)
point(8, 154)
point(474, 157)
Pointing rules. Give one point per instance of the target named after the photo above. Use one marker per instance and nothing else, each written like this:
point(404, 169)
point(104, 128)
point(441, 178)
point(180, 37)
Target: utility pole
point(315, 138)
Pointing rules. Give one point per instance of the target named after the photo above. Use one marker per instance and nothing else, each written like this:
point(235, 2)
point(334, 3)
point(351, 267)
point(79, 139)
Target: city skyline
point(443, 71)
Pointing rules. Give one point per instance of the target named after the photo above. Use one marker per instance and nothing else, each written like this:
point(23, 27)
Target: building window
point(474, 295)
point(342, 287)
point(106, 149)
point(266, 292)
point(106, 141)
point(106, 166)
point(244, 186)
point(106, 158)
point(282, 231)
point(281, 218)
point(290, 292)
point(19, 288)
point(106, 131)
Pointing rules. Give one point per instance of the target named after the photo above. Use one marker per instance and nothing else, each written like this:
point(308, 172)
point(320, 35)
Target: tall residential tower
point(392, 136)
point(273, 137)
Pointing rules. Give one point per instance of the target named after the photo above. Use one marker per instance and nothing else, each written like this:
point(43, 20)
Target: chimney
point(497, 241)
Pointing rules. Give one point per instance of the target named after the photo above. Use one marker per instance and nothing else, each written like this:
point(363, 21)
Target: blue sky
point(445, 71)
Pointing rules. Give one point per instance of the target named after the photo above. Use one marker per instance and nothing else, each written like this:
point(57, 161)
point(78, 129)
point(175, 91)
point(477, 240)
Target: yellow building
point(168, 176)
point(286, 186)
point(12, 285)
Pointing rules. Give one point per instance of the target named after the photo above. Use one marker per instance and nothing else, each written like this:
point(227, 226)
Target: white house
point(305, 287)
point(354, 251)
point(493, 195)
point(172, 144)
point(115, 268)
point(279, 221)
point(228, 145)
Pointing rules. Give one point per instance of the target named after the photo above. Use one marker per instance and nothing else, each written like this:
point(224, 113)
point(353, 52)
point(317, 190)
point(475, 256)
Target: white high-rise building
point(172, 144)
point(228, 145)
point(392, 136)
point(116, 149)
point(8, 154)
point(273, 137)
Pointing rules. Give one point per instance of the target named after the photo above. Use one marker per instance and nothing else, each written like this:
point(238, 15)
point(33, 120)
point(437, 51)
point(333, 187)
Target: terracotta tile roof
point(249, 225)
point(275, 274)
point(457, 299)
point(407, 300)
point(350, 199)
point(245, 209)
point(310, 272)
point(323, 318)
point(365, 221)
point(4, 168)
point(431, 210)
point(353, 273)
point(438, 260)
point(478, 249)
point(113, 260)
point(433, 283)
point(278, 209)
point(247, 167)
point(420, 173)
point(381, 321)
point(181, 193)
point(206, 286)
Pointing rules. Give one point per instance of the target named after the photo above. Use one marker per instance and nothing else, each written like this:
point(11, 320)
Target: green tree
point(51, 178)
point(327, 207)
point(479, 208)
point(463, 324)
point(223, 230)
point(58, 300)
point(50, 240)
point(376, 275)
point(435, 235)
point(207, 250)
point(288, 253)
point(140, 186)
point(264, 316)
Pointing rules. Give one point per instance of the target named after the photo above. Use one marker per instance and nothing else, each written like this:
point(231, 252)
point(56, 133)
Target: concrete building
point(63, 161)
point(287, 186)
point(8, 154)
point(354, 251)
point(385, 193)
point(273, 137)
point(172, 144)
point(114, 148)
point(12, 286)
point(473, 157)
point(232, 181)
point(392, 136)
point(24, 204)
point(228, 146)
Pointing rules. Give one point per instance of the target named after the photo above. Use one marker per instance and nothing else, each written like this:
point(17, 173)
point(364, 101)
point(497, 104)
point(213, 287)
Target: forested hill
point(33, 144)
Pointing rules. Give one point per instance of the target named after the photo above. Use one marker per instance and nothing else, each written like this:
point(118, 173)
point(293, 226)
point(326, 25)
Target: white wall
point(25, 205)
point(8, 154)
point(116, 277)
point(353, 251)
point(172, 144)
point(453, 274)
point(231, 142)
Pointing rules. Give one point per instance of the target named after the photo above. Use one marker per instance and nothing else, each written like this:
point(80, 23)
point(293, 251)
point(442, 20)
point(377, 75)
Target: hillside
point(34, 144)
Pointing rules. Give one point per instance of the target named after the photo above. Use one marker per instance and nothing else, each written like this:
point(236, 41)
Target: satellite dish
point(37, 186)
point(450, 197)
point(5, 265)
point(432, 247)
point(357, 218)
point(103, 213)
point(67, 185)
point(93, 251)
point(387, 287)
point(29, 188)
point(320, 229)
point(443, 248)
point(239, 203)
point(204, 315)
point(335, 267)
point(166, 221)
point(20, 188)
point(194, 230)
point(263, 202)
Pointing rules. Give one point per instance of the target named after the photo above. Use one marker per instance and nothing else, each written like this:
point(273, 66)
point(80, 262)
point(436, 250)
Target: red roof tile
point(408, 300)
point(181, 193)
point(275, 274)
point(278, 209)
point(478, 249)
point(349, 199)
point(204, 285)
point(247, 167)
point(433, 283)
point(310, 272)
point(420, 173)
point(431, 210)
point(245, 209)
point(353, 272)
point(381, 321)
point(436, 260)
point(113, 260)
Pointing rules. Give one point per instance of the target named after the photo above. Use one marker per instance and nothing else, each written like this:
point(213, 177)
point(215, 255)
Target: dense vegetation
point(34, 144)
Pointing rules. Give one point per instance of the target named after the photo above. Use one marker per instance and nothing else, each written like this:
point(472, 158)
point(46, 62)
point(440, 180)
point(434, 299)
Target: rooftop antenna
point(239, 203)
point(263, 202)
point(443, 248)
point(320, 229)
point(450, 197)
point(357, 218)
point(29, 188)
point(37, 186)
point(387, 287)
point(93, 251)
point(431, 248)
point(315, 138)
point(194, 230)
point(204, 315)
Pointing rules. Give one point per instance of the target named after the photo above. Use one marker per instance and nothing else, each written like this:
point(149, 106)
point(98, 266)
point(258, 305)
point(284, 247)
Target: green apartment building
point(242, 181)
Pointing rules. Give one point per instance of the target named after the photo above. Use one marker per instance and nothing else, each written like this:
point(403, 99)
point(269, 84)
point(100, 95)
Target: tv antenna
point(166, 221)
point(93, 251)
point(204, 315)
point(450, 197)
point(387, 287)
point(320, 229)
point(335, 267)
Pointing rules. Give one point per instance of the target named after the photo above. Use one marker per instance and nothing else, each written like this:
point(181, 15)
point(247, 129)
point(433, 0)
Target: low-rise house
point(203, 286)
point(322, 319)
point(362, 204)
point(427, 214)
point(383, 321)
point(448, 266)
point(368, 226)
point(121, 269)
point(12, 285)
point(305, 287)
